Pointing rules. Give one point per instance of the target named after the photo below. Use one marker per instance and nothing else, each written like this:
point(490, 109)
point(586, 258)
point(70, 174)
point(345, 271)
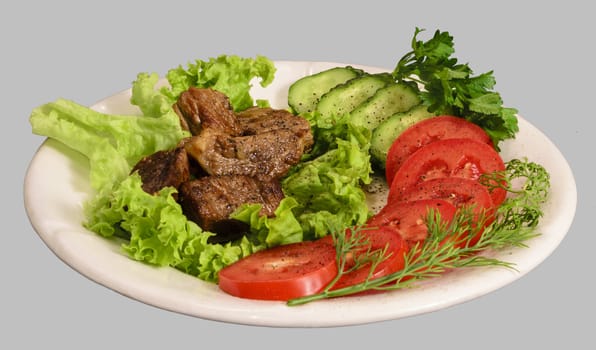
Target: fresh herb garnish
point(449, 87)
point(515, 222)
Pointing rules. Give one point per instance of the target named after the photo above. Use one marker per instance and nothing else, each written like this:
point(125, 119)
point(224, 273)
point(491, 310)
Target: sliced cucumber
point(304, 93)
point(347, 96)
point(384, 134)
point(391, 99)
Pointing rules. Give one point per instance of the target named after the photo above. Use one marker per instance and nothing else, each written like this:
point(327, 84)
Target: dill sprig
point(448, 245)
point(353, 251)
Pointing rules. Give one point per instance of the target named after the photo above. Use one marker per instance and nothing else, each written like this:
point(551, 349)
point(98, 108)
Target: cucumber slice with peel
point(384, 134)
point(304, 94)
point(391, 99)
point(344, 98)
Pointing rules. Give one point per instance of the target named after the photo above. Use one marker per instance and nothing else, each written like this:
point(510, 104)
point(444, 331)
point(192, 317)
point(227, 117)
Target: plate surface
point(56, 186)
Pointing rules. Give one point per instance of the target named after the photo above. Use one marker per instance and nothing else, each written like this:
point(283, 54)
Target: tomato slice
point(408, 218)
point(427, 131)
point(378, 239)
point(281, 273)
point(458, 191)
point(465, 158)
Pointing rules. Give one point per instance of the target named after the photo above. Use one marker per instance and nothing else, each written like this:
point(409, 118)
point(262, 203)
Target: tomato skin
point(281, 273)
point(426, 131)
point(379, 238)
point(407, 218)
point(465, 158)
point(458, 191)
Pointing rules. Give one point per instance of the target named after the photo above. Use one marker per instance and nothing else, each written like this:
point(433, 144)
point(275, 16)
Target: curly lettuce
point(156, 232)
point(229, 74)
point(323, 192)
point(112, 143)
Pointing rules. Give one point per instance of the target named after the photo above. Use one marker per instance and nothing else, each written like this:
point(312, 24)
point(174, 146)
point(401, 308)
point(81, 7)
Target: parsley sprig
point(515, 222)
point(449, 87)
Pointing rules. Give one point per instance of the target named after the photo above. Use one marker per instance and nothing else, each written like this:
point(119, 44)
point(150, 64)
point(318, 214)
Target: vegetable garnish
point(229, 74)
point(112, 143)
point(324, 195)
point(449, 87)
point(515, 223)
point(426, 131)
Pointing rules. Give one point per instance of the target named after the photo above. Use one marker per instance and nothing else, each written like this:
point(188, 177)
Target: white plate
point(56, 185)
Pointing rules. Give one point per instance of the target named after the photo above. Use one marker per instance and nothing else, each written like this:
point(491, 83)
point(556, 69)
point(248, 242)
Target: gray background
point(543, 60)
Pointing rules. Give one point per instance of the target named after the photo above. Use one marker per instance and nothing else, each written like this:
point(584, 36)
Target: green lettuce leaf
point(153, 227)
point(324, 191)
point(229, 74)
point(283, 228)
point(329, 189)
point(148, 98)
point(112, 143)
point(155, 230)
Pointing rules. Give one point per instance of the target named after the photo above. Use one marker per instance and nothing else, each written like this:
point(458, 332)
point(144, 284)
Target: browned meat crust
point(206, 108)
point(231, 159)
point(270, 142)
point(267, 155)
point(210, 200)
point(257, 120)
point(162, 169)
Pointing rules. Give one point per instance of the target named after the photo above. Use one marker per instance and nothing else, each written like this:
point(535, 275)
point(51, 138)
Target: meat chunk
point(210, 200)
point(267, 155)
point(206, 108)
point(163, 168)
point(259, 142)
point(258, 120)
point(241, 158)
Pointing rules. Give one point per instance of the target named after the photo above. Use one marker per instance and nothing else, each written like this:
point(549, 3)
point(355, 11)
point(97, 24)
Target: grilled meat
point(210, 200)
point(263, 142)
point(163, 168)
point(206, 108)
point(257, 120)
point(231, 159)
point(267, 155)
